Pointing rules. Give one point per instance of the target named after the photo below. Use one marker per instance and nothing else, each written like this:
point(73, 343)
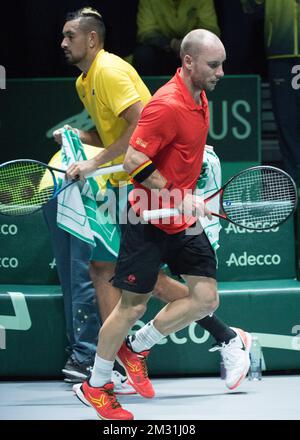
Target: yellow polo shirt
point(110, 86)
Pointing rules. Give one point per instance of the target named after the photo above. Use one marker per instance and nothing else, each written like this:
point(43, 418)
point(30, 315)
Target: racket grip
point(159, 213)
point(106, 170)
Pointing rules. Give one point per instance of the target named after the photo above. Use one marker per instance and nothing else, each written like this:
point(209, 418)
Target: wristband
point(143, 171)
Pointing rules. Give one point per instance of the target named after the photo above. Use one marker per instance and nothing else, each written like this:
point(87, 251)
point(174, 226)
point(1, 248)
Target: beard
point(211, 86)
point(208, 86)
point(71, 59)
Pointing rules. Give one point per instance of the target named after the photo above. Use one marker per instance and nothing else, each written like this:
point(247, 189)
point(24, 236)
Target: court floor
point(273, 398)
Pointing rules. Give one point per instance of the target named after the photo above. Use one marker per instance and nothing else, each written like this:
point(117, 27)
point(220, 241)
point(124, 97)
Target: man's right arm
point(190, 205)
point(134, 159)
point(90, 138)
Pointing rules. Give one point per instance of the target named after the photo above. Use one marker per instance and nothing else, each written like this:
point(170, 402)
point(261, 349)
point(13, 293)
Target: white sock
point(145, 338)
point(101, 373)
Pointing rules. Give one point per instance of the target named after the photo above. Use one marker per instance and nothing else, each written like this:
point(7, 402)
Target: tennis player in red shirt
point(165, 152)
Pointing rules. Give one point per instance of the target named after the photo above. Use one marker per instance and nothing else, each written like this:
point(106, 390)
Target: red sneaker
point(136, 369)
point(103, 400)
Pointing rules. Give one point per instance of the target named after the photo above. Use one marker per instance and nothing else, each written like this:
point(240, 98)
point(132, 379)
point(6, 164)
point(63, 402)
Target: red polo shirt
point(172, 132)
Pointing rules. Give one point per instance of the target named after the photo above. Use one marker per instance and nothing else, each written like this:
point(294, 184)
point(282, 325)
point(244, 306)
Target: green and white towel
point(208, 183)
point(79, 206)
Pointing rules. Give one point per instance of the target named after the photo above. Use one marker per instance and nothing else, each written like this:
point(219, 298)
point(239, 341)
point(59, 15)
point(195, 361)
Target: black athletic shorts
point(144, 248)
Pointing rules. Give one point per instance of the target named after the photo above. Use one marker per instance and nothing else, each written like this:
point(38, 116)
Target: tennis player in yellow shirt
point(113, 95)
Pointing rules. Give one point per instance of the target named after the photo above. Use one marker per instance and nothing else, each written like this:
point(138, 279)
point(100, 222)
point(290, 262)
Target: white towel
point(210, 181)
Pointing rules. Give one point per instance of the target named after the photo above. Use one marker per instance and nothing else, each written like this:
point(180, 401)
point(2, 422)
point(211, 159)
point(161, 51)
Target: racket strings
point(259, 195)
point(24, 187)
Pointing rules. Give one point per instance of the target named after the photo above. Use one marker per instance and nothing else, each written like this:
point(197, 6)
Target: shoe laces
point(112, 398)
point(217, 347)
point(227, 354)
point(143, 365)
point(141, 357)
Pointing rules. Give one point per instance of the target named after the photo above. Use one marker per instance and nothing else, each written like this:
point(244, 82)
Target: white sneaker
point(121, 384)
point(236, 357)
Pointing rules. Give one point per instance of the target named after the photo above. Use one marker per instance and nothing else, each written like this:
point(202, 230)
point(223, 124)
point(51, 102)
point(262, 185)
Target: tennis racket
point(256, 198)
point(26, 185)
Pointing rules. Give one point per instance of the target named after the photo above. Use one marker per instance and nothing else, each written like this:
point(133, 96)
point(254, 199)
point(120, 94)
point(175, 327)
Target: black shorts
point(144, 248)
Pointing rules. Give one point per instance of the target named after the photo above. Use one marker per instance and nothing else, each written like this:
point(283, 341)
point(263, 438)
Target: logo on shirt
point(140, 142)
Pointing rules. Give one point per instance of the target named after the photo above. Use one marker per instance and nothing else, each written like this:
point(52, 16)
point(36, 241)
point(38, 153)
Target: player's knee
point(102, 269)
point(135, 312)
point(208, 301)
point(211, 302)
point(212, 305)
point(159, 288)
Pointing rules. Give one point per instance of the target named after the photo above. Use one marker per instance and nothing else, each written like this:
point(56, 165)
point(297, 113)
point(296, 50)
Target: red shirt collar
point(189, 100)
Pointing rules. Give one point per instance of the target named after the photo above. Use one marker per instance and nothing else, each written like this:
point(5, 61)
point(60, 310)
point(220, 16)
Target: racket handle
point(106, 170)
point(155, 214)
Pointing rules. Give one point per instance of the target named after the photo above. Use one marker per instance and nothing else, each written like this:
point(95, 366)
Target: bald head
point(197, 41)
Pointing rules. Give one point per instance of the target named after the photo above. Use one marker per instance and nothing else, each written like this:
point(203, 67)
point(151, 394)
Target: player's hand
point(58, 133)
point(194, 205)
point(80, 169)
